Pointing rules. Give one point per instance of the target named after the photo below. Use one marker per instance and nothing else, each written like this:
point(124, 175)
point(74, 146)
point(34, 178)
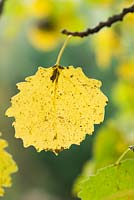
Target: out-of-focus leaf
point(108, 145)
point(42, 39)
point(88, 169)
point(110, 183)
point(123, 96)
point(125, 123)
point(125, 70)
point(107, 45)
point(7, 167)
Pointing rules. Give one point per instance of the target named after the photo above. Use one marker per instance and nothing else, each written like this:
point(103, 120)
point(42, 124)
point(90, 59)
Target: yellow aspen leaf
point(7, 167)
point(56, 108)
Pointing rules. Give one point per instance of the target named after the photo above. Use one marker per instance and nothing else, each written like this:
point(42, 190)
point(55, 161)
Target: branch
point(101, 25)
point(2, 2)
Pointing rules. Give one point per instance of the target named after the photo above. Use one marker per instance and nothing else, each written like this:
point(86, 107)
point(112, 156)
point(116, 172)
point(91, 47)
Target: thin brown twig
point(101, 25)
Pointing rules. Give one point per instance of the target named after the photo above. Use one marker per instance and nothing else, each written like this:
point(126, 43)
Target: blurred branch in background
point(2, 2)
point(101, 25)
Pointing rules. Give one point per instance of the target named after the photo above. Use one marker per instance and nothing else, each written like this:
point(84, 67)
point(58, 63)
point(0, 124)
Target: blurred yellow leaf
point(129, 19)
point(7, 167)
point(126, 70)
point(45, 32)
point(56, 108)
point(42, 39)
point(107, 44)
point(40, 8)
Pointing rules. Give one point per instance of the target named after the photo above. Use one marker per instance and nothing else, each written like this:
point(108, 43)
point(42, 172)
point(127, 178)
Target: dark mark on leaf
point(55, 75)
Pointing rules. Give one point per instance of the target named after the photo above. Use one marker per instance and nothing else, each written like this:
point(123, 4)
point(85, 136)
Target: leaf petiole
point(130, 148)
point(62, 49)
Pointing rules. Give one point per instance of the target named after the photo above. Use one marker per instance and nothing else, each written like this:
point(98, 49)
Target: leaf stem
point(122, 155)
point(62, 50)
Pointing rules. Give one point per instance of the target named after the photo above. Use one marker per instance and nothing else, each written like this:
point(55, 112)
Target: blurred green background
point(30, 37)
